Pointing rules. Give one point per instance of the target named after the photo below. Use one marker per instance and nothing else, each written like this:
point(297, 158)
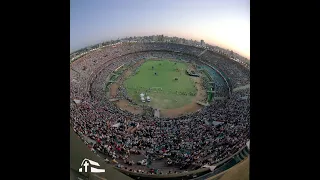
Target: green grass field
point(163, 86)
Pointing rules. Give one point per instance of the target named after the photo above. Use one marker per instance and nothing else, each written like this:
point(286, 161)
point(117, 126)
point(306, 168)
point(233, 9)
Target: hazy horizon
point(225, 23)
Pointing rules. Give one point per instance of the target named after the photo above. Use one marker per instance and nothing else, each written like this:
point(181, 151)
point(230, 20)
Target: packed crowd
point(134, 142)
point(236, 73)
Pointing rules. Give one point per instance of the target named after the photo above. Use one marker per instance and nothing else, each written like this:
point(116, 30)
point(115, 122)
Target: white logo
point(87, 162)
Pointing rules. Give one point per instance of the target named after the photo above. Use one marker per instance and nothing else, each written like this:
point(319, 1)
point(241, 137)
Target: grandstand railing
point(225, 164)
point(224, 78)
point(207, 73)
point(186, 175)
point(199, 174)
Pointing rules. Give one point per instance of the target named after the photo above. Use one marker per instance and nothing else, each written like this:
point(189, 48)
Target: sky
point(225, 23)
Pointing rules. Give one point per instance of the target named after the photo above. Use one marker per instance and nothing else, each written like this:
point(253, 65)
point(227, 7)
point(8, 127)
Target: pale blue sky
point(221, 22)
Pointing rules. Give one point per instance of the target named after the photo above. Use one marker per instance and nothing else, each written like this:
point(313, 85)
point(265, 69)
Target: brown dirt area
point(123, 103)
point(189, 108)
point(113, 90)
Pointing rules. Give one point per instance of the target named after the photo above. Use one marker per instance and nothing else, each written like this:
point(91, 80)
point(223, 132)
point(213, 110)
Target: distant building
point(202, 42)
point(166, 38)
point(154, 38)
point(160, 38)
point(184, 41)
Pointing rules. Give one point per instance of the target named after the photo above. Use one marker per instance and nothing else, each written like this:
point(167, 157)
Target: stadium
point(157, 108)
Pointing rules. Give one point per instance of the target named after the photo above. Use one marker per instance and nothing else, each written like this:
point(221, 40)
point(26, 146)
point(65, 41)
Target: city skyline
point(222, 23)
